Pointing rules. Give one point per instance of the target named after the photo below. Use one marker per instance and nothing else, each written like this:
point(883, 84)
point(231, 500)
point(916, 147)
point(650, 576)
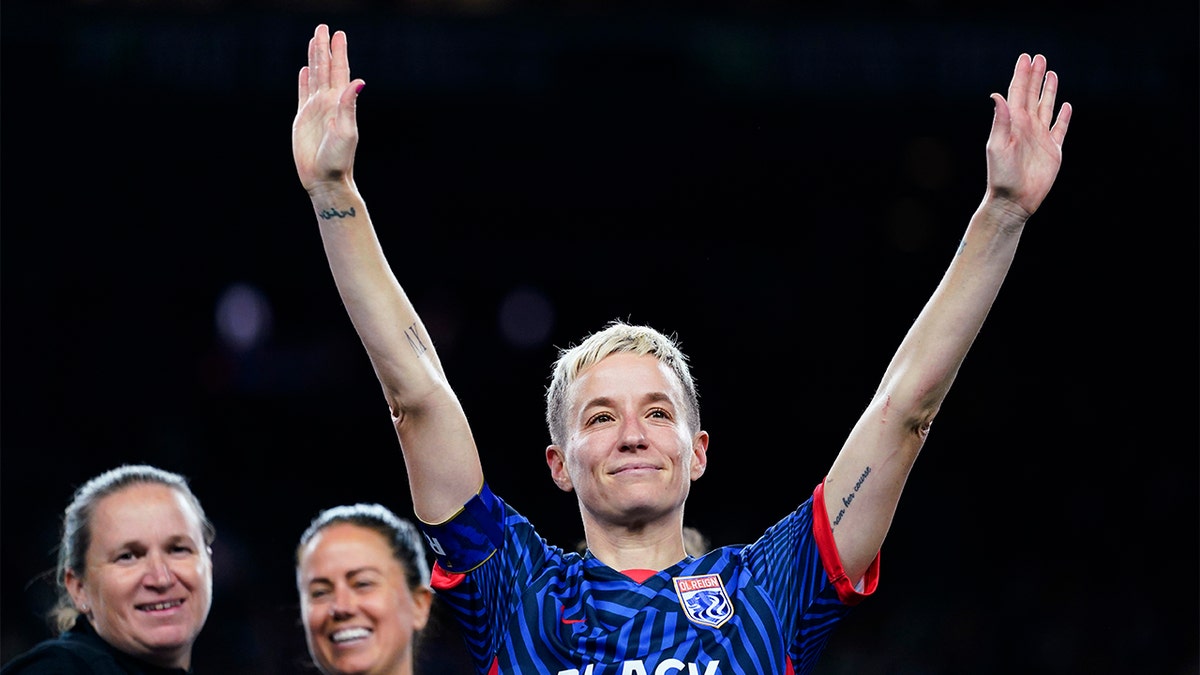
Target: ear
point(75, 589)
point(556, 459)
point(422, 602)
point(699, 454)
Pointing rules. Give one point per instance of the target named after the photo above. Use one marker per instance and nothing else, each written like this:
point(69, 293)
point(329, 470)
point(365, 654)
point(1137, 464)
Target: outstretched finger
point(1018, 89)
point(1037, 74)
point(312, 62)
point(1059, 131)
point(348, 103)
point(1001, 120)
point(303, 86)
point(339, 73)
point(311, 83)
point(318, 59)
point(1049, 94)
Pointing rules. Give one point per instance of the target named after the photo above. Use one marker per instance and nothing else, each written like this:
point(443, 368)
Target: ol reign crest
point(704, 599)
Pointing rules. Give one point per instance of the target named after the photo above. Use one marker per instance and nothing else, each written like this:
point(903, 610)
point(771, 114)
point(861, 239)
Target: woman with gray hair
point(134, 578)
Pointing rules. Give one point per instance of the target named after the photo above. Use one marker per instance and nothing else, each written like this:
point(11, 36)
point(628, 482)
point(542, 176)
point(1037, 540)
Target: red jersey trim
point(639, 575)
point(823, 533)
point(441, 580)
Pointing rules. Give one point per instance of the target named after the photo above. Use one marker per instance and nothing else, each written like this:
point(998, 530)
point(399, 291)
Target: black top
point(80, 651)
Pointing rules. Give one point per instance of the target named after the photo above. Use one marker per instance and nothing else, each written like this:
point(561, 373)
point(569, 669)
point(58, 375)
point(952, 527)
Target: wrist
point(336, 201)
point(1002, 212)
point(333, 193)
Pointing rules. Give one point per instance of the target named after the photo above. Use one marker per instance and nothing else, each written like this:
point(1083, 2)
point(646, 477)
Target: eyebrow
point(609, 402)
point(142, 544)
point(350, 574)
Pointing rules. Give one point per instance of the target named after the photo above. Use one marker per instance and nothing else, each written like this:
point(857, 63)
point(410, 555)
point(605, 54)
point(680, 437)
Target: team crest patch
point(704, 599)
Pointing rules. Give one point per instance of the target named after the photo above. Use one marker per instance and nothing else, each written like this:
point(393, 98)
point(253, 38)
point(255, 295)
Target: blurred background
point(781, 184)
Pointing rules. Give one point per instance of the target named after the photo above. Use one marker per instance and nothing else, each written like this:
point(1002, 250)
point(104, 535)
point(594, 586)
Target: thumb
point(1001, 118)
point(350, 93)
point(348, 103)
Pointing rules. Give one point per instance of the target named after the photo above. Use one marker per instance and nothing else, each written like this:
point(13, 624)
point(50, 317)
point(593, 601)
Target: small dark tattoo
point(414, 340)
point(327, 214)
point(850, 497)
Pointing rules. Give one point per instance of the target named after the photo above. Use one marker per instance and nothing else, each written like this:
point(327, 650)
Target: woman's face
point(630, 454)
point(359, 613)
point(147, 585)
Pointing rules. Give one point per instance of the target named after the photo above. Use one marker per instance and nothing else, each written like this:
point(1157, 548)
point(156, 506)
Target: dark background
point(781, 184)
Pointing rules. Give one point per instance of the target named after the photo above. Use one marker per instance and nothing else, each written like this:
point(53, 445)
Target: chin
point(349, 665)
point(643, 509)
point(170, 639)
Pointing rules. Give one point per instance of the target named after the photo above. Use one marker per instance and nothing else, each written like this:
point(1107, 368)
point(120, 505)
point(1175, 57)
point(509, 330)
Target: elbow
point(913, 414)
point(912, 403)
point(921, 425)
point(411, 403)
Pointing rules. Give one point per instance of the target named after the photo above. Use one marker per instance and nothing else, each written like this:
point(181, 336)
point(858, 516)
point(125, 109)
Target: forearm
point(927, 360)
point(396, 342)
point(1024, 152)
point(864, 484)
point(439, 451)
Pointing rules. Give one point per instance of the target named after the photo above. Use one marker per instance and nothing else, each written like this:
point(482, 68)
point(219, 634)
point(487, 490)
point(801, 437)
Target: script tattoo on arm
point(850, 498)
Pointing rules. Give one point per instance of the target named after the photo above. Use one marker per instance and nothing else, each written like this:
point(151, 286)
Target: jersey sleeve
point(468, 538)
point(797, 565)
point(832, 562)
point(486, 555)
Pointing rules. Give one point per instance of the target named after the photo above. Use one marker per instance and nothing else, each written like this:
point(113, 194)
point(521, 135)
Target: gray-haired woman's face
point(147, 586)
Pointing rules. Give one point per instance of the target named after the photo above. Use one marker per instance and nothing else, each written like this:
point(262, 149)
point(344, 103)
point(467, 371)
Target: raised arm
point(1024, 152)
point(439, 450)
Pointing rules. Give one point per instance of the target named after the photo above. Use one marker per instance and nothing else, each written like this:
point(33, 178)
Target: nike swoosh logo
point(565, 620)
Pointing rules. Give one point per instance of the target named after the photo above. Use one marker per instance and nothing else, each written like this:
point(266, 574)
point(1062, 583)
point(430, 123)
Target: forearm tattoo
point(329, 214)
point(414, 340)
point(850, 498)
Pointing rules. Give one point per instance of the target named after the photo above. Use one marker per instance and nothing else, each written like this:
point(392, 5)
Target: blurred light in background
point(243, 317)
point(526, 317)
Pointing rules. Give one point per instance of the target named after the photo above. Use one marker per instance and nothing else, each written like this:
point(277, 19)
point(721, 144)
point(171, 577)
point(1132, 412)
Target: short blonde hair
point(616, 337)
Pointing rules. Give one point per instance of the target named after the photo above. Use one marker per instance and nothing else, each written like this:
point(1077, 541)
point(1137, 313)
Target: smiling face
point(359, 612)
point(147, 585)
point(630, 455)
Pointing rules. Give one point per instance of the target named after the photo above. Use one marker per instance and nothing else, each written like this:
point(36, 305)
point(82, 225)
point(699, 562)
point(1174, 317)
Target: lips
point(159, 606)
point(349, 634)
point(634, 467)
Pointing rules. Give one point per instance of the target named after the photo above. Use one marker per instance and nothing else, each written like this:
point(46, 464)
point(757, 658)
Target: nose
point(633, 434)
point(158, 573)
point(343, 603)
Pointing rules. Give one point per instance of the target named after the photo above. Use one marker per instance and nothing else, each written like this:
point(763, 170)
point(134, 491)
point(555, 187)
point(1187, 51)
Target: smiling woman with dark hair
point(363, 580)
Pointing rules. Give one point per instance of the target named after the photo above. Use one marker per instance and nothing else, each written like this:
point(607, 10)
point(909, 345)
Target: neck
point(643, 548)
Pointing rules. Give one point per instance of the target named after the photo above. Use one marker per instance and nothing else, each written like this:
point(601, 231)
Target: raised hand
point(1024, 150)
point(325, 131)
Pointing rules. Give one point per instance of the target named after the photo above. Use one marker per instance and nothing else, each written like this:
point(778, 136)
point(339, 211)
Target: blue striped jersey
point(528, 607)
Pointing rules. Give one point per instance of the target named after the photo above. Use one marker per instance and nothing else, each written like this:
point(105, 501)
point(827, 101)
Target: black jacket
point(80, 651)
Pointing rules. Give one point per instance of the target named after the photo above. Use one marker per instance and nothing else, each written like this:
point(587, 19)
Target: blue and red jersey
point(528, 607)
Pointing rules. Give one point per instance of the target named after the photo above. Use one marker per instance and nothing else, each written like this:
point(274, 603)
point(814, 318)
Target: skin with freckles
point(147, 588)
point(359, 611)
